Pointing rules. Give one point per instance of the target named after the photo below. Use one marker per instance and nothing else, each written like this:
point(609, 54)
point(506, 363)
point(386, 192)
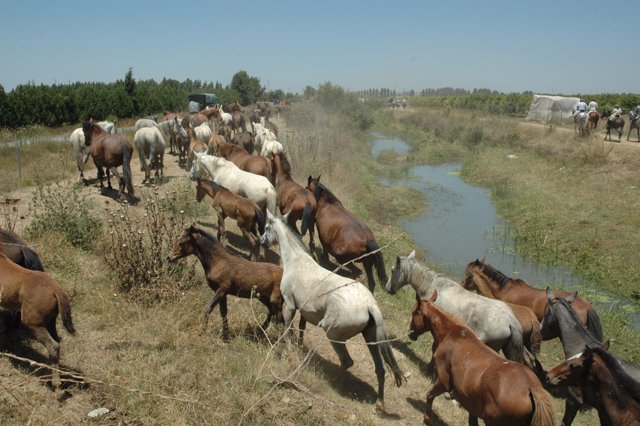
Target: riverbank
point(570, 202)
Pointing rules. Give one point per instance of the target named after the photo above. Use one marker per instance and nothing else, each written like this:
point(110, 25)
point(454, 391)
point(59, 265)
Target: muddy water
point(460, 224)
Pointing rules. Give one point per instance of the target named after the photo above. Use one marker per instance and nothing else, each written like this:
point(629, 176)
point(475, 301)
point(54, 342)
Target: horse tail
point(306, 218)
point(514, 349)
point(594, 325)
point(260, 220)
point(64, 306)
point(126, 167)
point(31, 259)
point(382, 340)
point(372, 246)
point(535, 338)
point(543, 410)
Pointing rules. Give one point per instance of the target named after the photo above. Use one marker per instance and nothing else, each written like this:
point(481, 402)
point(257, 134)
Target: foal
point(247, 213)
point(499, 391)
point(229, 274)
point(39, 299)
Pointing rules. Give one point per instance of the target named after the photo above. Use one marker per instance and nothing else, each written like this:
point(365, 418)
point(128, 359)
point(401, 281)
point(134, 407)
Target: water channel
point(460, 224)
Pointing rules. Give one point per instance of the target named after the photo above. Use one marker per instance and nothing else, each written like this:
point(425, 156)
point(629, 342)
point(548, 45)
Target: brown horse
point(245, 161)
point(238, 121)
point(245, 140)
point(525, 316)
point(593, 118)
point(293, 199)
point(499, 391)
point(616, 123)
point(109, 151)
point(203, 116)
point(246, 213)
point(228, 274)
point(609, 388)
point(343, 235)
point(215, 141)
point(233, 107)
point(38, 298)
point(634, 123)
point(195, 146)
point(517, 291)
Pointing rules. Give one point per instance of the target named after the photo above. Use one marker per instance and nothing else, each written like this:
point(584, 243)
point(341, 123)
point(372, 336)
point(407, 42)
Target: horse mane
point(577, 320)
point(619, 375)
point(286, 165)
point(494, 275)
point(216, 186)
point(322, 190)
point(294, 237)
point(210, 240)
point(422, 276)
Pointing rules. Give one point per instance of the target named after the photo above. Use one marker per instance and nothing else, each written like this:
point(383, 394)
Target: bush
point(135, 248)
point(63, 210)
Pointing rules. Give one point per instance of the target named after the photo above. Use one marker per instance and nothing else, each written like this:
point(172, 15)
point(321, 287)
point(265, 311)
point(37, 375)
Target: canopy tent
point(554, 109)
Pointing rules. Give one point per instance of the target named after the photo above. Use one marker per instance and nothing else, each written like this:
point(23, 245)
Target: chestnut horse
point(238, 121)
point(109, 151)
point(203, 116)
point(228, 274)
point(246, 213)
point(517, 291)
point(525, 316)
point(196, 145)
point(614, 393)
point(245, 140)
point(39, 299)
point(344, 236)
point(593, 118)
point(245, 161)
point(293, 199)
point(499, 391)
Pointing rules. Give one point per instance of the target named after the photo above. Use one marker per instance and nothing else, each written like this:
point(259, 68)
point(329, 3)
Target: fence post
point(18, 143)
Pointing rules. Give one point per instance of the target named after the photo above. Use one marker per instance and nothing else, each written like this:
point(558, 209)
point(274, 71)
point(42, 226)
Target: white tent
point(554, 109)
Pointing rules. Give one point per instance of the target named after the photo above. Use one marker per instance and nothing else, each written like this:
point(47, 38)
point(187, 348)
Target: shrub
point(135, 248)
point(63, 210)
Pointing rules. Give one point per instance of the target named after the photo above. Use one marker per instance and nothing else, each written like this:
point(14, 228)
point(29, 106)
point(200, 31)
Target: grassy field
point(140, 352)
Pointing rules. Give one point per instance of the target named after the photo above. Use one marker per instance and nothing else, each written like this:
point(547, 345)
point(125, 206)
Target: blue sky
point(560, 46)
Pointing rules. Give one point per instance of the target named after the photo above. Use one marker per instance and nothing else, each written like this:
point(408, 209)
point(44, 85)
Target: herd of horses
point(586, 123)
point(470, 321)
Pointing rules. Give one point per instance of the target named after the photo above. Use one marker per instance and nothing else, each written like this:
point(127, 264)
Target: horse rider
point(593, 105)
point(616, 113)
point(635, 114)
point(581, 106)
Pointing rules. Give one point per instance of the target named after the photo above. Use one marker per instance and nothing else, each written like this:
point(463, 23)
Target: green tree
point(248, 88)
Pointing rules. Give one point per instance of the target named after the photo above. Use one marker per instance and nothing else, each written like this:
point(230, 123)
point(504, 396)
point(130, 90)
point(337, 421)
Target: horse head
point(183, 246)
point(420, 321)
point(549, 326)
point(573, 371)
point(398, 278)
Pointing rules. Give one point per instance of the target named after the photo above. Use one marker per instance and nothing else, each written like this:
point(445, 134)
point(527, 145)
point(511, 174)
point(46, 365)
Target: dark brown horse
point(517, 291)
point(245, 140)
point(634, 123)
point(499, 391)
point(228, 274)
point(525, 316)
point(245, 161)
point(245, 212)
point(343, 235)
point(39, 299)
point(612, 392)
point(16, 249)
point(203, 116)
point(294, 199)
point(233, 107)
point(109, 151)
point(616, 123)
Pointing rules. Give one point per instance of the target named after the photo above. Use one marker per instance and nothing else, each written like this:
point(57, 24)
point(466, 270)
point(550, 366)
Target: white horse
point(342, 306)
point(203, 133)
point(80, 150)
point(144, 122)
point(150, 145)
point(271, 148)
point(582, 124)
point(491, 320)
point(262, 134)
point(225, 173)
point(225, 117)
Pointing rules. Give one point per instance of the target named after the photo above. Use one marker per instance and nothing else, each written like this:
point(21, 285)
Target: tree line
point(59, 104)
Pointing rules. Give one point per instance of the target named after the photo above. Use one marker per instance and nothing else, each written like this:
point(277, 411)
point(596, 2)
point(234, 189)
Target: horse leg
point(571, 408)
point(345, 359)
point(288, 312)
point(254, 243)
point(221, 231)
point(473, 420)
point(369, 334)
point(223, 314)
point(368, 268)
point(217, 297)
point(100, 175)
point(302, 325)
point(437, 389)
point(43, 336)
point(121, 183)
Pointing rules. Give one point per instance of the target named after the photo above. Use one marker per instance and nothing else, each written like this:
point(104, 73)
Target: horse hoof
point(380, 407)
